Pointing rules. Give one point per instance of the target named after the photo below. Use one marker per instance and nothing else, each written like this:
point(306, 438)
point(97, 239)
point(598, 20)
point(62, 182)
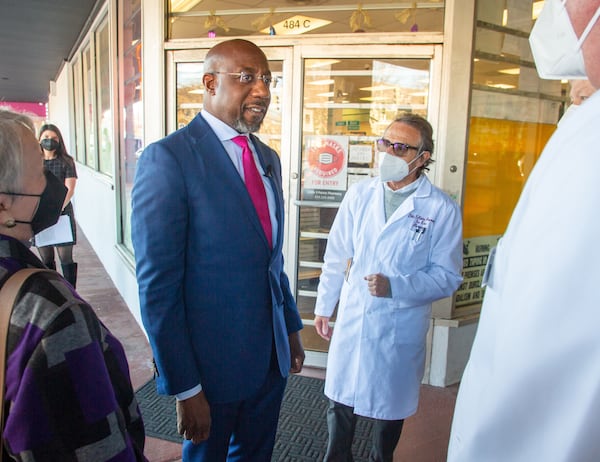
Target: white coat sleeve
point(443, 273)
point(340, 249)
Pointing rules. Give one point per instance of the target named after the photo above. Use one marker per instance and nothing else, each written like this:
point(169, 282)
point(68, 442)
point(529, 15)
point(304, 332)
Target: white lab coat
point(377, 353)
point(531, 388)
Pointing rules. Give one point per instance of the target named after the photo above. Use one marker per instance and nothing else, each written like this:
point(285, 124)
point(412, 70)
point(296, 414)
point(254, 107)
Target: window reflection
point(105, 130)
point(89, 108)
point(79, 118)
point(131, 108)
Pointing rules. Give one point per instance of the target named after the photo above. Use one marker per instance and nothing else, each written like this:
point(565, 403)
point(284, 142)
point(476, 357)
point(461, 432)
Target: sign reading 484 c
point(298, 24)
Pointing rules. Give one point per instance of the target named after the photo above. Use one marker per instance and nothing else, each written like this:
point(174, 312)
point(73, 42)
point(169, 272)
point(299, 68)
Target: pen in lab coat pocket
point(348, 266)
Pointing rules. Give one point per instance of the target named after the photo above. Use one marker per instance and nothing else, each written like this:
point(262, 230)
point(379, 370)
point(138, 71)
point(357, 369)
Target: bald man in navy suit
point(215, 300)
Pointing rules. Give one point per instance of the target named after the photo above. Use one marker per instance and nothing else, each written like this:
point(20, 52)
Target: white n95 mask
point(393, 168)
point(554, 44)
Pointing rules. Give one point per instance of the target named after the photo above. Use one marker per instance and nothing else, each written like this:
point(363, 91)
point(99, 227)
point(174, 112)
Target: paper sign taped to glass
point(60, 233)
point(326, 168)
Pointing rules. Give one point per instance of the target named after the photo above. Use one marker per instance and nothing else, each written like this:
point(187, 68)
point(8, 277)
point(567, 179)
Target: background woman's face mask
point(554, 44)
point(49, 144)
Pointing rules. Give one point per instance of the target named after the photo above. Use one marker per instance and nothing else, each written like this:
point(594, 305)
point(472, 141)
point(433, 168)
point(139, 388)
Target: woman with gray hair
point(67, 386)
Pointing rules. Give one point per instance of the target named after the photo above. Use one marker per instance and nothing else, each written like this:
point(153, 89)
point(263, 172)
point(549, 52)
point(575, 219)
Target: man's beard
point(242, 127)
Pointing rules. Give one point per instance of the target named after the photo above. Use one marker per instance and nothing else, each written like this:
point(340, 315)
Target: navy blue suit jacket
point(214, 297)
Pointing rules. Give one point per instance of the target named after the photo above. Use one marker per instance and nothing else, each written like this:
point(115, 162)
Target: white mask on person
point(554, 44)
point(394, 168)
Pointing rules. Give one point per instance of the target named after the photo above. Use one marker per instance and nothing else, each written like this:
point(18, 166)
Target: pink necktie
point(255, 187)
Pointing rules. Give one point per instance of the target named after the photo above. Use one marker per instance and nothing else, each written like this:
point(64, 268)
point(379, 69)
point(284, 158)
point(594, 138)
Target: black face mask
point(50, 205)
point(49, 144)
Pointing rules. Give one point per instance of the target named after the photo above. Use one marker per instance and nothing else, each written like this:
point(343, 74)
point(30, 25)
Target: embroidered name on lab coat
point(419, 226)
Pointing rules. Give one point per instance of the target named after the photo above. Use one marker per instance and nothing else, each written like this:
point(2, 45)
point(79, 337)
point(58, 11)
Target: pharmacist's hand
point(322, 326)
point(379, 285)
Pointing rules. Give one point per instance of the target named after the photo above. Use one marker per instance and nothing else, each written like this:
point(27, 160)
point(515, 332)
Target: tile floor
point(425, 435)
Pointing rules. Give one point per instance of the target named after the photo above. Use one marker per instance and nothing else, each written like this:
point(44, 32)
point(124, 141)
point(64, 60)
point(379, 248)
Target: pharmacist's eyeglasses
point(400, 149)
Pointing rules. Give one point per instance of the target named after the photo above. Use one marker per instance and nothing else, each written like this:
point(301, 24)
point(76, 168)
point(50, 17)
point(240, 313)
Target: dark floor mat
point(302, 431)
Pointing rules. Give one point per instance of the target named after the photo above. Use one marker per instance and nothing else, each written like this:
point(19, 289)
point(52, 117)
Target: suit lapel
point(207, 145)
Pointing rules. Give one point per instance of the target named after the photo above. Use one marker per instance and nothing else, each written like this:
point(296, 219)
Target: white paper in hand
point(60, 233)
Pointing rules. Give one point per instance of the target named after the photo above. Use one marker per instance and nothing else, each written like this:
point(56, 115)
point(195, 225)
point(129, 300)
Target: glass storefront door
point(330, 105)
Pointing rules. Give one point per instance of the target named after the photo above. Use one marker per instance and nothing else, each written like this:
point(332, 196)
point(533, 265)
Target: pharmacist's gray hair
point(422, 125)
point(11, 148)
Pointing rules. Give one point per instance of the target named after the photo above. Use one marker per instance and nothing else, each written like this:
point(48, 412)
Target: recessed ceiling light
point(503, 86)
point(322, 63)
point(374, 98)
point(322, 82)
point(511, 71)
point(378, 88)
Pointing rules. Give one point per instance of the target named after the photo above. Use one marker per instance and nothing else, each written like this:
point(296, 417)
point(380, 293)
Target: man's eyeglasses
point(248, 79)
point(399, 149)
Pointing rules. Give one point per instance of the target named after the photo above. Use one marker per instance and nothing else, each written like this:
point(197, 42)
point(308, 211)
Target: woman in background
point(61, 164)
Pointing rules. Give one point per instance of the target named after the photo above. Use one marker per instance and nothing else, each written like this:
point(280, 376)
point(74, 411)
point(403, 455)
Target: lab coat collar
point(423, 190)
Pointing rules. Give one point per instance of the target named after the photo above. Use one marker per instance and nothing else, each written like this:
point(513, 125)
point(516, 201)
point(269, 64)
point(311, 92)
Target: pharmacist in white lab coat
point(531, 389)
point(395, 246)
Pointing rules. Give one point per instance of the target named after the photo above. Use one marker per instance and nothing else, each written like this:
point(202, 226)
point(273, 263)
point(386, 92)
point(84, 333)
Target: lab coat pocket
point(410, 326)
point(388, 324)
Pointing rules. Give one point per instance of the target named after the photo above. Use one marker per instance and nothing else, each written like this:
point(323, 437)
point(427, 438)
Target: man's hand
point(193, 418)
point(297, 352)
point(322, 326)
point(379, 285)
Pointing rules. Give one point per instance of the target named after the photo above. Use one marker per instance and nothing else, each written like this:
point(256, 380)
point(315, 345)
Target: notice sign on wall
point(475, 256)
point(326, 169)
